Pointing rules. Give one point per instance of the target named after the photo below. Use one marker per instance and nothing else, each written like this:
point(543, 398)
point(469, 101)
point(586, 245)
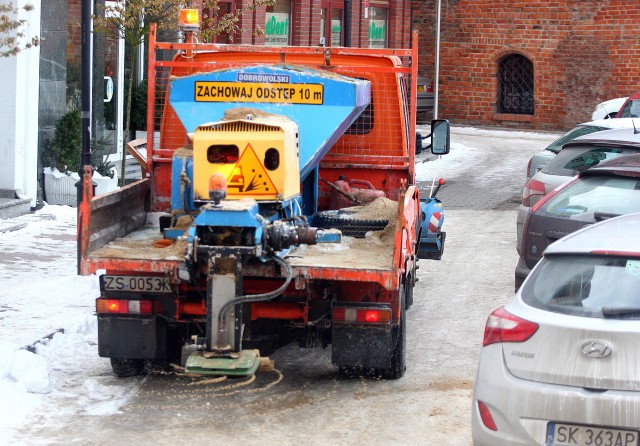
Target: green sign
point(377, 33)
point(277, 29)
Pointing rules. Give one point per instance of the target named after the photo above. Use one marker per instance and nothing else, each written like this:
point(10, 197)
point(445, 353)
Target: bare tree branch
point(13, 38)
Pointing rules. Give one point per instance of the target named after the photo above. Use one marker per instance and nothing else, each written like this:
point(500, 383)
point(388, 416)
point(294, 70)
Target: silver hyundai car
point(560, 363)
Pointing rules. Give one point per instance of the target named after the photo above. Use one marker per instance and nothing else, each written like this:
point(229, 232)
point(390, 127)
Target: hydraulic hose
point(222, 330)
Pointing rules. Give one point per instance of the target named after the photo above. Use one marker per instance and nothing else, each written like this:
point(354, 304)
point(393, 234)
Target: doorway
point(107, 133)
point(332, 23)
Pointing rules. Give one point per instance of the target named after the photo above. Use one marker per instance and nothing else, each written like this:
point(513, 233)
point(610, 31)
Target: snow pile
point(48, 330)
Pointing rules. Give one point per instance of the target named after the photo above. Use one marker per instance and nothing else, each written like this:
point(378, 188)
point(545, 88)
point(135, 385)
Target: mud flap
point(134, 338)
point(362, 346)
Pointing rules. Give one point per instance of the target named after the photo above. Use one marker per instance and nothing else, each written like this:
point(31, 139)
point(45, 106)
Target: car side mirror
point(440, 137)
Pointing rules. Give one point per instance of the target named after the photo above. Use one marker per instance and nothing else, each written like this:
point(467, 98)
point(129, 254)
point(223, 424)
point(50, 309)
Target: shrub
point(63, 151)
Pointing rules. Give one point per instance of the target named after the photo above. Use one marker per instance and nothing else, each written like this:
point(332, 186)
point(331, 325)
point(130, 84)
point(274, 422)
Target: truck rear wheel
point(399, 355)
point(125, 367)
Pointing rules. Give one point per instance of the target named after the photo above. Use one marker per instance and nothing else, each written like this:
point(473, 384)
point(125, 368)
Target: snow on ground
point(41, 294)
point(467, 158)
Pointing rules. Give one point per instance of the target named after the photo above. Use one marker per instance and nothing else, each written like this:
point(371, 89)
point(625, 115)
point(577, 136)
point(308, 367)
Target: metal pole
point(347, 23)
point(85, 117)
point(437, 68)
point(85, 120)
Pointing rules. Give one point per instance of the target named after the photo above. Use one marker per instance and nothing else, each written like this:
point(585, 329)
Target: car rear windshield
point(603, 287)
point(572, 134)
point(572, 160)
point(595, 198)
point(631, 109)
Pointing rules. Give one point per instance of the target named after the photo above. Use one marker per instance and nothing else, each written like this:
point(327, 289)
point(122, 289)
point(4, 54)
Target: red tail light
point(125, 306)
point(362, 315)
point(503, 326)
point(533, 191)
point(486, 417)
point(547, 197)
point(430, 87)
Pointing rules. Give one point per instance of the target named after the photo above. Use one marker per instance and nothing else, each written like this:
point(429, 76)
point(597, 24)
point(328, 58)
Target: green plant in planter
point(63, 151)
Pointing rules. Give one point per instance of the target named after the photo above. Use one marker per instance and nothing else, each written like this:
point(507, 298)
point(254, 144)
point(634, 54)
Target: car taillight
point(361, 315)
point(550, 195)
point(503, 326)
point(533, 191)
point(430, 87)
point(124, 306)
point(486, 417)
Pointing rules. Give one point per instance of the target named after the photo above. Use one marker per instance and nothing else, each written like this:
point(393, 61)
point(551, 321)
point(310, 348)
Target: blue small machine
point(249, 180)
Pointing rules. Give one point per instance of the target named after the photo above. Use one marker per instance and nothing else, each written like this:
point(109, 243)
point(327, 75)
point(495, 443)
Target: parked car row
point(561, 168)
point(560, 364)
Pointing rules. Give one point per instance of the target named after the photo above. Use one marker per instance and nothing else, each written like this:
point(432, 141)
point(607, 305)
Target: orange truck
point(233, 245)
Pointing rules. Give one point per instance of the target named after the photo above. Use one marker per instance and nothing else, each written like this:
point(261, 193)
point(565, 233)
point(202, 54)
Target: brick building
point(357, 23)
point(529, 64)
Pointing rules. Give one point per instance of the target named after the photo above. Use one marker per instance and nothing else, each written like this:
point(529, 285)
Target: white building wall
point(19, 87)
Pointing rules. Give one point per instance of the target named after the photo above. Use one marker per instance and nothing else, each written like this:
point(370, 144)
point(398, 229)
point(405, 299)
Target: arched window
point(515, 85)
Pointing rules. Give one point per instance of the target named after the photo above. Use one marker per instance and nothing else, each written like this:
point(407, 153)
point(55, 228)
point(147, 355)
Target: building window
point(278, 25)
point(515, 85)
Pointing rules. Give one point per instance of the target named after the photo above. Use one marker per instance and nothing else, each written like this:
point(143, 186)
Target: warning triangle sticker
point(249, 176)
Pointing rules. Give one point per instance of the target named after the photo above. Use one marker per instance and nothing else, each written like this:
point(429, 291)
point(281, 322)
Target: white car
point(560, 363)
point(608, 109)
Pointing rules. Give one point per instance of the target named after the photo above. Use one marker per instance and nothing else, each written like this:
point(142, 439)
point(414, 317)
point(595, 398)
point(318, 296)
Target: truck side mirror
point(440, 137)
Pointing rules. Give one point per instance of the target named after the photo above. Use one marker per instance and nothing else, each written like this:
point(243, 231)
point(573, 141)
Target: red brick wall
point(74, 30)
point(583, 52)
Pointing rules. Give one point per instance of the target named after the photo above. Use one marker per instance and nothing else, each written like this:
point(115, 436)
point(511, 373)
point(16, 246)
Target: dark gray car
point(609, 190)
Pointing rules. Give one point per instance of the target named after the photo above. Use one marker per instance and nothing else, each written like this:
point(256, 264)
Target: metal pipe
point(437, 68)
point(222, 329)
point(347, 23)
point(87, 41)
point(85, 116)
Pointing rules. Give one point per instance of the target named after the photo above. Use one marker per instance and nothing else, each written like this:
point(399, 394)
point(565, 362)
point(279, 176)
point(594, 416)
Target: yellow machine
point(257, 153)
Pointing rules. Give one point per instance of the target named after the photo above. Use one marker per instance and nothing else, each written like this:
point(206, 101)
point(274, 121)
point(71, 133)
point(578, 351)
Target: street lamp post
point(85, 117)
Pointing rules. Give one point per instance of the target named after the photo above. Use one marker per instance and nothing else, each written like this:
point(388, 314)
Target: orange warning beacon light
point(189, 20)
point(217, 187)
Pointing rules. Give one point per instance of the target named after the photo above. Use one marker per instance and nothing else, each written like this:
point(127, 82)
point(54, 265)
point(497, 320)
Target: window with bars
point(515, 85)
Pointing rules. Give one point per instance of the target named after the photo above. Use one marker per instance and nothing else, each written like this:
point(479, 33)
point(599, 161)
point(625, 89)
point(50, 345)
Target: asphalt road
point(302, 399)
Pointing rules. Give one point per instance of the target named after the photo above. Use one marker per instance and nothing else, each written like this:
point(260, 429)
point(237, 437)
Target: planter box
point(60, 188)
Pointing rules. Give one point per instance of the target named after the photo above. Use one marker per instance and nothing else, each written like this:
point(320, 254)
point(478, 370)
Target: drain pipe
point(347, 23)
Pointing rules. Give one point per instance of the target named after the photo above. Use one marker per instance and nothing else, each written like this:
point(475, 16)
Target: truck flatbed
point(374, 252)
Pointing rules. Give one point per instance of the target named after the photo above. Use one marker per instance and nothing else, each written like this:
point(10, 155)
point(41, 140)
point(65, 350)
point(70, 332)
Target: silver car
point(581, 153)
point(560, 364)
point(540, 159)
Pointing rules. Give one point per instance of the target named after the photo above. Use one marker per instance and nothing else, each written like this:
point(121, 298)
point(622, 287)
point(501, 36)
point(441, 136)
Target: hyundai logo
point(596, 349)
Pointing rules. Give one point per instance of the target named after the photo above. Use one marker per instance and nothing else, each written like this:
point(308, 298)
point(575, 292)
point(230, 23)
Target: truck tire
point(350, 227)
point(125, 367)
point(408, 299)
point(399, 355)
